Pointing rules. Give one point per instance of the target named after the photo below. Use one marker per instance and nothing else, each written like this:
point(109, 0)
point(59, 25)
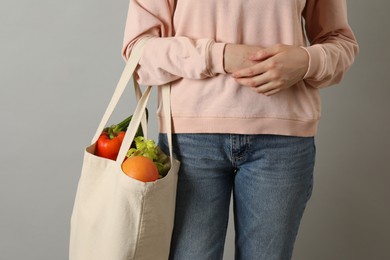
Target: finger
point(251, 71)
point(266, 53)
point(261, 55)
point(263, 81)
point(265, 88)
point(254, 82)
point(272, 92)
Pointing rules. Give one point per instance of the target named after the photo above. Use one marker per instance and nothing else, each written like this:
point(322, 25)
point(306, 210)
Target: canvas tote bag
point(116, 217)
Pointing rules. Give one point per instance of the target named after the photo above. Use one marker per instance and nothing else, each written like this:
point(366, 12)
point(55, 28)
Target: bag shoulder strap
point(121, 86)
point(166, 98)
point(139, 113)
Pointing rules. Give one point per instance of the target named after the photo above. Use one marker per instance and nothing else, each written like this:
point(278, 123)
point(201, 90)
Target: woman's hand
point(276, 68)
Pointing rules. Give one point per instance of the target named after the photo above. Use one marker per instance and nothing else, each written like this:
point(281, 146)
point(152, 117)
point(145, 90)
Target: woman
point(245, 107)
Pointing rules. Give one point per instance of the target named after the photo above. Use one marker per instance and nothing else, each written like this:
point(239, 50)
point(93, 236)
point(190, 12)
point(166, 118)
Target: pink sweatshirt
point(187, 50)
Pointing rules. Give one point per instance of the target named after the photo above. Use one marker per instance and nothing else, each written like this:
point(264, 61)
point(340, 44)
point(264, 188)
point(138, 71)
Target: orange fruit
point(140, 168)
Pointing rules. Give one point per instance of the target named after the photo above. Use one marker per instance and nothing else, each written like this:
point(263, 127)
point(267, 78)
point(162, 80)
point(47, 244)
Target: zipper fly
point(239, 147)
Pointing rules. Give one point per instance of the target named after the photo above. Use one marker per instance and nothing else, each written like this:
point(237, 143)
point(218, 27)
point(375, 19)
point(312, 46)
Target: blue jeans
point(271, 179)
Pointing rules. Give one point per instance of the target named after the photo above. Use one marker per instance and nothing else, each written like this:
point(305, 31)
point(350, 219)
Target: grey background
point(60, 61)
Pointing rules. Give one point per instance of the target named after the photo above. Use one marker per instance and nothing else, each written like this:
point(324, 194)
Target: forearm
point(333, 46)
point(166, 59)
point(328, 62)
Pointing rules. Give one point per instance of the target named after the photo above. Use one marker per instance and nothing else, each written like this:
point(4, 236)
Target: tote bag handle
point(139, 113)
point(121, 86)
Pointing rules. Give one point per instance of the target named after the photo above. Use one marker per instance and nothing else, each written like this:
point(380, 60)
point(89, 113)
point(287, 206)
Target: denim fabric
point(271, 179)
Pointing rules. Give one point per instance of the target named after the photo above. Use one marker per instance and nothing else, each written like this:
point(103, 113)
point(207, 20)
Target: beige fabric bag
point(116, 217)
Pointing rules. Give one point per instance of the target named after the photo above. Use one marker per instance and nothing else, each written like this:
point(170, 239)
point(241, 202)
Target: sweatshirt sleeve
point(167, 58)
point(333, 46)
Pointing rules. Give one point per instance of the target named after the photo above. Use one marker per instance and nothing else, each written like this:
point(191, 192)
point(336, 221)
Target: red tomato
point(109, 148)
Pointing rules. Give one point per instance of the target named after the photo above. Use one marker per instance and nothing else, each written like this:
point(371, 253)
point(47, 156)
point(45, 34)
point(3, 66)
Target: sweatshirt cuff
point(316, 65)
point(216, 57)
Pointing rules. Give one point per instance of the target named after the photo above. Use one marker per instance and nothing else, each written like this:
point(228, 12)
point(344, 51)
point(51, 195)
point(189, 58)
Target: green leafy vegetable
point(148, 148)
